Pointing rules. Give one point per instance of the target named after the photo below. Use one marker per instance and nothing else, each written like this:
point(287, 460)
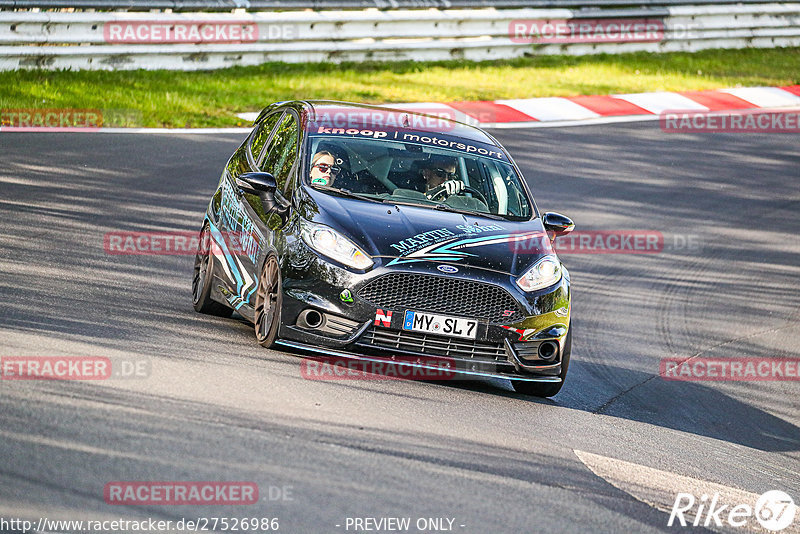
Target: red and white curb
point(578, 110)
point(545, 112)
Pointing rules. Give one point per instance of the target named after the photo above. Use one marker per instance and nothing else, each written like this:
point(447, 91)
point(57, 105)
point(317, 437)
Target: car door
point(278, 157)
point(244, 233)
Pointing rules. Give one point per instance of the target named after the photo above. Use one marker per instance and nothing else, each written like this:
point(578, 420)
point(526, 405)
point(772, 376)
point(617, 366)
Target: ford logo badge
point(447, 268)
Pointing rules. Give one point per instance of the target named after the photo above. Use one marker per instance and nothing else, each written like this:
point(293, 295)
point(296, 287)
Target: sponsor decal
point(420, 240)
point(730, 369)
point(346, 296)
point(456, 249)
point(447, 269)
point(523, 333)
point(234, 217)
point(383, 318)
point(436, 140)
point(439, 235)
point(231, 263)
point(180, 493)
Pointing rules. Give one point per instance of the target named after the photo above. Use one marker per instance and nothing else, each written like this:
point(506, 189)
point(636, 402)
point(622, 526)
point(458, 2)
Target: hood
point(403, 235)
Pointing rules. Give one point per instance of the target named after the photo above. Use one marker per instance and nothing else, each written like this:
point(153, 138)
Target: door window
point(282, 150)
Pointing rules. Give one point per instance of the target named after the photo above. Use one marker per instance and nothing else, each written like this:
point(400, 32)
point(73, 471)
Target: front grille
point(429, 344)
point(439, 294)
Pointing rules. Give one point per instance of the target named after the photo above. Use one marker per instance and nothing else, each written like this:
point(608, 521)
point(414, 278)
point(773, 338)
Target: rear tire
point(204, 278)
point(548, 389)
point(269, 299)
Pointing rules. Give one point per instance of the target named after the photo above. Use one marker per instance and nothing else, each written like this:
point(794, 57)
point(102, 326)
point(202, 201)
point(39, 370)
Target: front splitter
point(466, 373)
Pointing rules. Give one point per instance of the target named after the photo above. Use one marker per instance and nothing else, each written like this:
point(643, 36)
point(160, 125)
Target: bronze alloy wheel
point(268, 303)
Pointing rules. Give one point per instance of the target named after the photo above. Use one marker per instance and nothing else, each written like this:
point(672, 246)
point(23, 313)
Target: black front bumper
point(504, 347)
point(438, 369)
point(464, 357)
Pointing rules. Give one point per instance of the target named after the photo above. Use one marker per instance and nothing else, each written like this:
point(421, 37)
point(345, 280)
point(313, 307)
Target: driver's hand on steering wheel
point(452, 187)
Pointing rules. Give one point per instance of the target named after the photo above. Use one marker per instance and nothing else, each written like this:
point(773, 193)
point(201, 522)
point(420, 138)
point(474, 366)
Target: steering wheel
point(467, 189)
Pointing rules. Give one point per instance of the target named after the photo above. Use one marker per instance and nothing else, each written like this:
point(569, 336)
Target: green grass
point(212, 98)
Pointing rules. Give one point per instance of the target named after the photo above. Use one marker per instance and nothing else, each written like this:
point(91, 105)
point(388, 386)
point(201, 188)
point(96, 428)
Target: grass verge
point(212, 98)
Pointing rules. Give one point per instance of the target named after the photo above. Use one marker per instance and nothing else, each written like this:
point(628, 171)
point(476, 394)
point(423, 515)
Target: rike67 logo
point(774, 510)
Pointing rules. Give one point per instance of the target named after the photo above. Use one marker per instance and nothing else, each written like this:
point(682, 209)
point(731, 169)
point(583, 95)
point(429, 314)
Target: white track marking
point(765, 97)
point(561, 124)
point(659, 489)
point(550, 109)
point(662, 101)
point(250, 116)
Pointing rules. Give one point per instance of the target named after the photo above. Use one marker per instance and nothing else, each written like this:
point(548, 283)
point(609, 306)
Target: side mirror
point(257, 182)
point(557, 223)
point(263, 185)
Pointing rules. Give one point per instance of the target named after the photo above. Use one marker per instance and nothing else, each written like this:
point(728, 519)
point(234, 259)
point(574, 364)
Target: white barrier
point(118, 40)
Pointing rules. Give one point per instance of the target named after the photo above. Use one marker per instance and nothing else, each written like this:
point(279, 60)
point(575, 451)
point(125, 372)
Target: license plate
point(440, 324)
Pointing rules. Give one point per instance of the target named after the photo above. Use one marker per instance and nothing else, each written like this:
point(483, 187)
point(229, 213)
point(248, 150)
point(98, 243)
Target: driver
point(440, 177)
point(323, 169)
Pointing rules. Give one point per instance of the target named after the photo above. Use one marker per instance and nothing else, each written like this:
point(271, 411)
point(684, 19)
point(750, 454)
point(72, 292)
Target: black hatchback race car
point(379, 234)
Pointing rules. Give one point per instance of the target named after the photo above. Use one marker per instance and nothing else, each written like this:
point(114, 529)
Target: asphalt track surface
point(218, 407)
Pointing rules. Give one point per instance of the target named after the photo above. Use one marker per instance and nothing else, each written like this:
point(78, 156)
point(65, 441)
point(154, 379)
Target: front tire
point(269, 299)
point(204, 278)
point(548, 389)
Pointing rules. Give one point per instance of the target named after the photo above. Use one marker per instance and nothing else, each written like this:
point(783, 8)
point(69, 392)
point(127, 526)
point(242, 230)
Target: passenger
point(323, 170)
point(440, 177)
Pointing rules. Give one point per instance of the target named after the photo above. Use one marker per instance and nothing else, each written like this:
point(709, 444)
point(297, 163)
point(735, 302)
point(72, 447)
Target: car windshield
point(467, 176)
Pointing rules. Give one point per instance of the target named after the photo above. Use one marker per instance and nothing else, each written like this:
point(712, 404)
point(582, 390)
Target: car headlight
point(543, 273)
point(334, 245)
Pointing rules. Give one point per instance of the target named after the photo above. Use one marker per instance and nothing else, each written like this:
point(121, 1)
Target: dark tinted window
point(238, 163)
point(261, 135)
point(282, 150)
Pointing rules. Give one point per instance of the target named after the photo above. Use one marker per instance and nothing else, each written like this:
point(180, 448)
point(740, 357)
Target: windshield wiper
point(446, 207)
point(345, 193)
